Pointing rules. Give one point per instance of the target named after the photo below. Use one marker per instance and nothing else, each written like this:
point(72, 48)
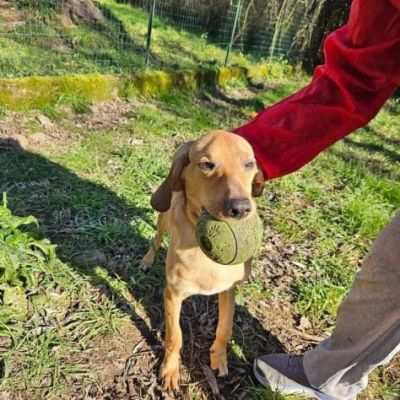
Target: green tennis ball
point(229, 242)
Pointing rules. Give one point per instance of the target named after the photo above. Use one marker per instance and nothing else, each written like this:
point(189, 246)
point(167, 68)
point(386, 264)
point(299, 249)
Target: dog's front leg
point(162, 227)
point(173, 339)
point(218, 352)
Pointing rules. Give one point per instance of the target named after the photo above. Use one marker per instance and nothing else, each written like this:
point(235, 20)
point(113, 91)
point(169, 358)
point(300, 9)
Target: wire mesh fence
point(39, 37)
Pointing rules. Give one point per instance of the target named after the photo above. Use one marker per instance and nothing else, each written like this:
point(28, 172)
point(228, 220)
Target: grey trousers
point(367, 332)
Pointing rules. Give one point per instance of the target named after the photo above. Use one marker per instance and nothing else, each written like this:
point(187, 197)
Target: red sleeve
point(361, 71)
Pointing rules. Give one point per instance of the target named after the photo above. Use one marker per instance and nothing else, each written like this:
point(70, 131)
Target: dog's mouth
point(205, 213)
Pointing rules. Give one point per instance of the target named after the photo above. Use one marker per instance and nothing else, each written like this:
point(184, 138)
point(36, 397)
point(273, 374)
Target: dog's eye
point(207, 166)
point(249, 164)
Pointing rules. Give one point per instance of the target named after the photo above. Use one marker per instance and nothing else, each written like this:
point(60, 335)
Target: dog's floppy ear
point(258, 184)
point(161, 198)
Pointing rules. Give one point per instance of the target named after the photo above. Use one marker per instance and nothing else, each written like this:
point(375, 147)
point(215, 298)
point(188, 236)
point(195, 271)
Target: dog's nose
point(237, 208)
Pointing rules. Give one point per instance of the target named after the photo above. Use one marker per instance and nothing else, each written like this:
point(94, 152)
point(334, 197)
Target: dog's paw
point(144, 267)
point(219, 361)
point(147, 260)
point(169, 373)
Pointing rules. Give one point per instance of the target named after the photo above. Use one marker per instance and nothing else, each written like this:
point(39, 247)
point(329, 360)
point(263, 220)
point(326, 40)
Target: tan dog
point(218, 173)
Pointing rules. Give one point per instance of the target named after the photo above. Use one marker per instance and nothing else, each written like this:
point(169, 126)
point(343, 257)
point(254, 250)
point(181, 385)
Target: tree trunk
point(323, 17)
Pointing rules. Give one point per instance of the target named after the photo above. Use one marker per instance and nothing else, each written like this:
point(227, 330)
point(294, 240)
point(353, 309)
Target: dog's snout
point(237, 208)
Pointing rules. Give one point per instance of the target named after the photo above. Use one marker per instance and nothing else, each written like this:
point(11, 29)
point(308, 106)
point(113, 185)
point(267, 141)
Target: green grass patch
point(45, 46)
point(37, 293)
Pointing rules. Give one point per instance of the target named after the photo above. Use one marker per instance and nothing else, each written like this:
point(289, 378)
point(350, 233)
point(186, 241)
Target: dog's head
point(217, 172)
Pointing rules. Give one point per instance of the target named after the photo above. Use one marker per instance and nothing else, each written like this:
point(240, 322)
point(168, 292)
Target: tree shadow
point(374, 132)
point(374, 148)
point(373, 166)
point(77, 214)
point(253, 102)
point(184, 53)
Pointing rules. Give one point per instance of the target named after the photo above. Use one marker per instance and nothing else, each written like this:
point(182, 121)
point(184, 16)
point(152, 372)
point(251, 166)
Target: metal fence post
point(237, 15)
point(149, 32)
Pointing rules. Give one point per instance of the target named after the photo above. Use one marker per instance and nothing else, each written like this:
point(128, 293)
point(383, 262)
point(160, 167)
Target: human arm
point(361, 71)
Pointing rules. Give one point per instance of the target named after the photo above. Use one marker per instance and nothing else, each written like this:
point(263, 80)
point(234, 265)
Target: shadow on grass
point(375, 167)
point(374, 148)
point(77, 215)
point(386, 140)
point(217, 95)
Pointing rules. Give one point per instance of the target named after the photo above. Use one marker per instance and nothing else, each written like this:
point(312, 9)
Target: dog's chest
point(191, 272)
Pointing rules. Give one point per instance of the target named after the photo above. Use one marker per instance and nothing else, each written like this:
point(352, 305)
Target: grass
point(341, 211)
point(67, 309)
point(45, 45)
point(37, 291)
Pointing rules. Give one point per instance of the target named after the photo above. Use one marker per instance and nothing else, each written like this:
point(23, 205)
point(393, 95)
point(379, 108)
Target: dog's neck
point(192, 211)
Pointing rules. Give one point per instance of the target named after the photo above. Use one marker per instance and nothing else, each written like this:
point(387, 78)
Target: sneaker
point(285, 374)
